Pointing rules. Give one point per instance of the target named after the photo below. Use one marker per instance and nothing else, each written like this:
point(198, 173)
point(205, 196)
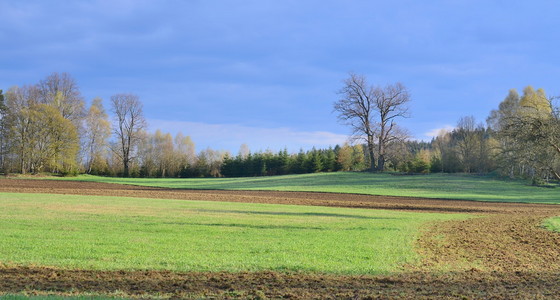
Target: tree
point(97, 132)
point(358, 158)
point(40, 138)
point(467, 142)
point(61, 91)
point(329, 160)
point(56, 141)
point(244, 151)
point(19, 123)
point(344, 158)
point(209, 163)
point(507, 109)
point(315, 162)
point(129, 123)
point(500, 119)
point(185, 151)
point(391, 102)
point(3, 137)
point(535, 100)
point(528, 135)
point(165, 147)
point(371, 112)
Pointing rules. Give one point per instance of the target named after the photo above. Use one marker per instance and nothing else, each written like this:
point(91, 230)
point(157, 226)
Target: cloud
point(231, 136)
point(436, 131)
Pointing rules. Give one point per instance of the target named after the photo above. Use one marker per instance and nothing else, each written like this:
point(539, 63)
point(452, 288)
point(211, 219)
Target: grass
point(118, 233)
point(552, 224)
point(444, 186)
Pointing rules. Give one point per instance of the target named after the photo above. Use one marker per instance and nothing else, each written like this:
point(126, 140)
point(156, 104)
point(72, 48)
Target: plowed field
point(505, 254)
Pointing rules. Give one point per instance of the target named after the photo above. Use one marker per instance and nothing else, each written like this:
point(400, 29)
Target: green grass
point(118, 233)
point(552, 224)
point(445, 186)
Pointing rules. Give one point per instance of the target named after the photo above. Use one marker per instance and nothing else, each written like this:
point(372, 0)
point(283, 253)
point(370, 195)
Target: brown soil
point(503, 255)
point(293, 198)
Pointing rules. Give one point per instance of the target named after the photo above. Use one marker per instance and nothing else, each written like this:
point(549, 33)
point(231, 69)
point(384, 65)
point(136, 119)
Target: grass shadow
point(296, 214)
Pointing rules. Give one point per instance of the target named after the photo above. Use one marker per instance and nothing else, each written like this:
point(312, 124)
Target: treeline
point(521, 139)
point(345, 158)
point(46, 127)
point(469, 148)
point(40, 126)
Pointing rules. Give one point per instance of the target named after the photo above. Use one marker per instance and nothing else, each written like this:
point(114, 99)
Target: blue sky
point(265, 73)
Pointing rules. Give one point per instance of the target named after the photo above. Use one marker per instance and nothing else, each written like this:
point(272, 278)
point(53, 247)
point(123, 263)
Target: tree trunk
point(22, 159)
point(371, 152)
point(126, 170)
point(381, 153)
point(381, 163)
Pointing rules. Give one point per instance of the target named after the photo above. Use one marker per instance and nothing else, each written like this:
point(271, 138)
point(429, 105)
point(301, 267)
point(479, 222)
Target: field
point(442, 186)
point(92, 238)
point(120, 233)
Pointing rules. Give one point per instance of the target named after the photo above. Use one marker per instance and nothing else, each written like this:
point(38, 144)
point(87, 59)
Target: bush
point(71, 172)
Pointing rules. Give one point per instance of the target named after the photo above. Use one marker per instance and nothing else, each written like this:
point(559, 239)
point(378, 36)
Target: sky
point(266, 73)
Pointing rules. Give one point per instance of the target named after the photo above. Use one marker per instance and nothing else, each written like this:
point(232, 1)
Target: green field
point(118, 233)
point(444, 186)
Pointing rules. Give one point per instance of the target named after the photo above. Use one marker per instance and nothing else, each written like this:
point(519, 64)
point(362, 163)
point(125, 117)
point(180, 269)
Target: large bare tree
point(129, 123)
point(371, 112)
point(391, 102)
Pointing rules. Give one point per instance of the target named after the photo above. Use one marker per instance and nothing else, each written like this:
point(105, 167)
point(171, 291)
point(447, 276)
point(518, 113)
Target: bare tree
point(356, 109)
point(129, 123)
point(186, 152)
point(244, 151)
point(468, 142)
point(391, 102)
point(371, 112)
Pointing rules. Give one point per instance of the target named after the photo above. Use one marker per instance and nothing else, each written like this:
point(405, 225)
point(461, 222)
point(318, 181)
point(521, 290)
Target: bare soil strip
point(293, 198)
point(260, 285)
point(503, 255)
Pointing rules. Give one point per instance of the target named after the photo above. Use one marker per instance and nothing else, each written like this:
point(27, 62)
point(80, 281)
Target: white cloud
point(231, 136)
point(436, 131)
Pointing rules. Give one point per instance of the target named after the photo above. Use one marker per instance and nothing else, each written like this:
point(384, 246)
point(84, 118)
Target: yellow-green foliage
point(535, 100)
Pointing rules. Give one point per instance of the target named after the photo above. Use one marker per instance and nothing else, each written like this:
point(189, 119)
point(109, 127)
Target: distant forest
point(46, 127)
